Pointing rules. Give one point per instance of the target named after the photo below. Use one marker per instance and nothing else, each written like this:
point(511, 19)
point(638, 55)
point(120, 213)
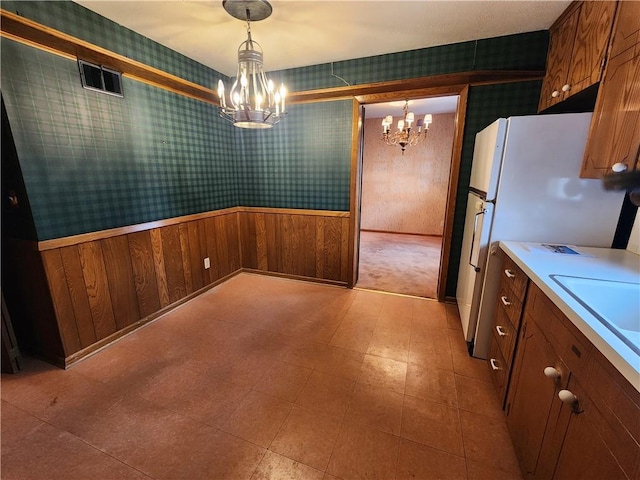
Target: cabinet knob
point(566, 88)
point(567, 397)
point(555, 94)
point(505, 301)
point(619, 167)
point(500, 331)
point(494, 364)
point(552, 372)
point(509, 274)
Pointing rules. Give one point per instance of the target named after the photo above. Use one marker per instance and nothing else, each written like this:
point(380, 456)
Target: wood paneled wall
point(80, 293)
point(407, 193)
point(297, 244)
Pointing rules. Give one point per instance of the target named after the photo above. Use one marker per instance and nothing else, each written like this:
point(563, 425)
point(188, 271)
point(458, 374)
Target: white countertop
point(601, 263)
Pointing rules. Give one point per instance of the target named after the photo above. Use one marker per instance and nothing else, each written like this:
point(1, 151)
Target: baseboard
point(323, 281)
point(402, 233)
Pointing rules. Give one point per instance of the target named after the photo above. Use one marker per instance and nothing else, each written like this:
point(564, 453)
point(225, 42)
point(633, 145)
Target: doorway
point(404, 199)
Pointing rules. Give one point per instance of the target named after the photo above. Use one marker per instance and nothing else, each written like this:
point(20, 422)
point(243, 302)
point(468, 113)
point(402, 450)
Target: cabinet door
point(532, 394)
point(615, 129)
point(558, 61)
point(627, 29)
point(589, 46)
point(584, 453)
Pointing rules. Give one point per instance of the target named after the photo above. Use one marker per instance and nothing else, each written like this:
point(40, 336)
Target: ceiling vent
point(100, 79)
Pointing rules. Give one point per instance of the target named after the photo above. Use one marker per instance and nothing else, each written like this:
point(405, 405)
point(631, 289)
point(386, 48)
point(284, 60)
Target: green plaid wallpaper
point(92, 161)
point(303, 162)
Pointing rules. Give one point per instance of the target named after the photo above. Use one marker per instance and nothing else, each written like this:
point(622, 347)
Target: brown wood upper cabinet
point(614, 136)
point(577, 47)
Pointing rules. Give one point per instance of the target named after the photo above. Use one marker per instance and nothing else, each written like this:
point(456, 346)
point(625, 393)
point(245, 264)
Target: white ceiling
point(309, 32)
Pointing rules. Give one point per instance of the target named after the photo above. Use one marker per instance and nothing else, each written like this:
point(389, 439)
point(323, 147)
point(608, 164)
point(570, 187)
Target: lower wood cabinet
point(570, 413)
point(538, 376)
point(583, 452)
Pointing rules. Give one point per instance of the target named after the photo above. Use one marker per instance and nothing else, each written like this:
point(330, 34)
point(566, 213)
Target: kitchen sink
point(615, 304)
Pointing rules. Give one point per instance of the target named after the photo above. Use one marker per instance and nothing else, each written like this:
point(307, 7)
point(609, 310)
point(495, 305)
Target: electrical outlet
point(442, 223)
point(207, 263)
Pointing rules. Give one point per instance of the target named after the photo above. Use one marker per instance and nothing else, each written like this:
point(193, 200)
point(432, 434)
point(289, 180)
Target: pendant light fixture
point(406, 135)
point(253, 101)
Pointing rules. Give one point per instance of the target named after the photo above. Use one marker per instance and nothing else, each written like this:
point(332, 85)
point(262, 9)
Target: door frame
point(355, 194)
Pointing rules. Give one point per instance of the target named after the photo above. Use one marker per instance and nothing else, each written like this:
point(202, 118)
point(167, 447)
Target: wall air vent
point(100, 79)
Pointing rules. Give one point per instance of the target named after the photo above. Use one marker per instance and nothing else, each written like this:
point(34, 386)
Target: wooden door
point(614, 136)
point(590, 45)
point(558, 61)
point(584, 453)
point(531, 394)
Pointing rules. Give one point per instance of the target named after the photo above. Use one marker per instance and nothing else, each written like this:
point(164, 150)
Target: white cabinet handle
point(494, 364)
point(555, 94)
point(509, 274)
point(505, 301)
point(566, 88)
point(552, 372)
point(619, 167)
point(567, 397)
point(501, 332)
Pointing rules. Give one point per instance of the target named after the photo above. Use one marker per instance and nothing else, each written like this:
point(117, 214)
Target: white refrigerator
point(525, 187)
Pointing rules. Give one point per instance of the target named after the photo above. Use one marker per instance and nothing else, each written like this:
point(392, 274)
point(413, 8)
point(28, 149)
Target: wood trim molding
point(114, 232)
point(401, 233)
point(294, 211)
point(289, 276)
point(31, 33)
point(40, 36)
point(441, 84)
point(454, 174)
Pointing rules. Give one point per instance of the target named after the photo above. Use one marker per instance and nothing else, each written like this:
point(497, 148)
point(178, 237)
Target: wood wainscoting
point(77, 294)
point(296, 243)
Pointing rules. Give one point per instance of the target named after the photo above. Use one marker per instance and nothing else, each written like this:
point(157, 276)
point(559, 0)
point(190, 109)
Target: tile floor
point(266, 378)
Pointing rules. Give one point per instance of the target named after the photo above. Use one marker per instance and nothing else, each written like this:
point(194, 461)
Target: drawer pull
point(551, 372)
point(505, 301)
point(509, 274)
point(501, 332)
point(494, 364)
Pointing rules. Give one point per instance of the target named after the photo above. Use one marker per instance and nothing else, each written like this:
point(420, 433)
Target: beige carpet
point(398, 263)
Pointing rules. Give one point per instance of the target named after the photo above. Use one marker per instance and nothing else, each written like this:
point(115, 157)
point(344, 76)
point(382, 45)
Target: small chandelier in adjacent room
point(406, 134)
point(253, 101)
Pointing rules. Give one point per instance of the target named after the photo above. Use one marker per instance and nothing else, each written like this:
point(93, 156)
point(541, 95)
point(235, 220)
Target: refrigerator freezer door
point(487, 158)
point(472, 261)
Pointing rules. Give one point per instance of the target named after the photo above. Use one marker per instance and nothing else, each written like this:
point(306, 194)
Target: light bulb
point(428, 119)
point(221, 93)
point(400, 124)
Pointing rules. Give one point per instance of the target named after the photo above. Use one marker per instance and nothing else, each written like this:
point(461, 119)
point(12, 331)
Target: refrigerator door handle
point(473, 238)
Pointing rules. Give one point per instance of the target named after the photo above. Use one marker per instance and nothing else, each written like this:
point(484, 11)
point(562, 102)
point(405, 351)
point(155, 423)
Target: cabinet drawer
point(511, 304)
point(499, 369)
point(514, 278)
point(505, 334)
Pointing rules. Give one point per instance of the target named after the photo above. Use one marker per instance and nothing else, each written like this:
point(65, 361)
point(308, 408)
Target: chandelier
point(253, 101)
point(405, 135)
